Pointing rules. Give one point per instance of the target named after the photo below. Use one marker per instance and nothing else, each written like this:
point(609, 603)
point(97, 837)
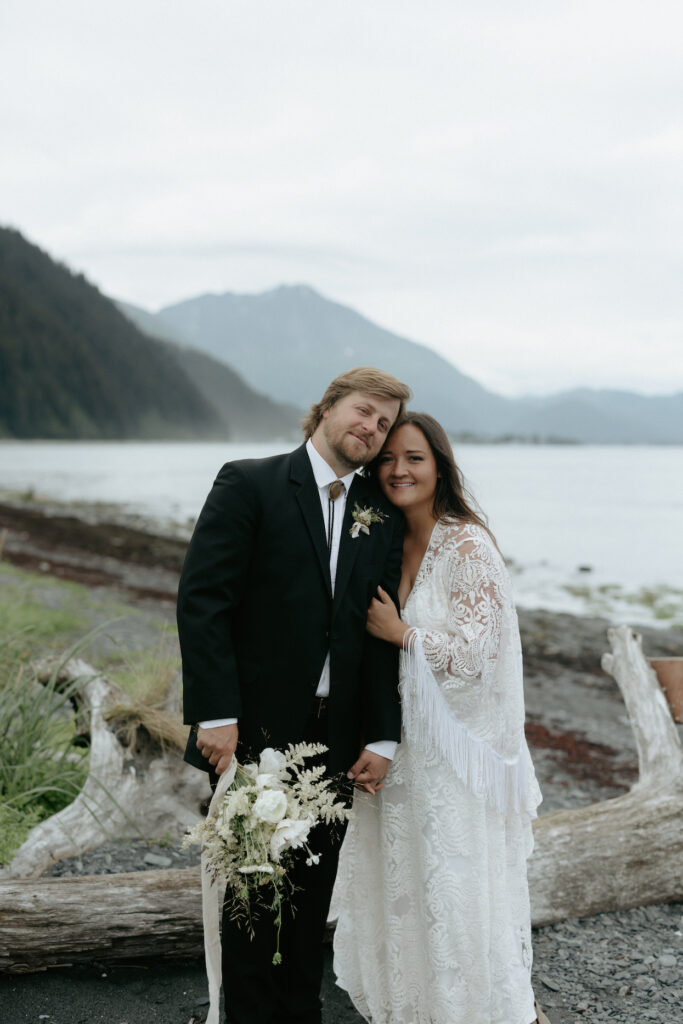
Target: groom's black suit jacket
point(256, 615)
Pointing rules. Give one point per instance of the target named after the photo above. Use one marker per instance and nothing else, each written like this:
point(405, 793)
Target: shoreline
point(568, 568)
point(576, 728)
point(581, 744)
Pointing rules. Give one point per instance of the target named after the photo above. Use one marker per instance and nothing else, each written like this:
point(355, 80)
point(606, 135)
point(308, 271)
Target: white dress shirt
point(324, 476)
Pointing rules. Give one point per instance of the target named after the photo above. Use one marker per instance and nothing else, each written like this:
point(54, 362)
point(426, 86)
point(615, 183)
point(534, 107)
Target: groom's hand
point(218, 745)
point(369, 771)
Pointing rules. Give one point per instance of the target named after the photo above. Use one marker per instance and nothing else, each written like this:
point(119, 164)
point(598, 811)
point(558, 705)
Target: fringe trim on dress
point(429, 724)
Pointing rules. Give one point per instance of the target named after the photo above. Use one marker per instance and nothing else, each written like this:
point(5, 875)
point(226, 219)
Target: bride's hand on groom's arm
point(383, 620)
point(218, 745)
point(369, 771)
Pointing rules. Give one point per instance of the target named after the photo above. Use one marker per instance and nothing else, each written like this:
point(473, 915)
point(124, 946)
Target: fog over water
point(617, 511)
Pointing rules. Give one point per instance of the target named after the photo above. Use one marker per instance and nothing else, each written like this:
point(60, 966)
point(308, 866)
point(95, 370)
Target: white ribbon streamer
point(212, 903)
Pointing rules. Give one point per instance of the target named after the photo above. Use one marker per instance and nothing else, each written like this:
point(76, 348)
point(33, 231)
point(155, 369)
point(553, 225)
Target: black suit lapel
point(349, 547)
point(308, 497)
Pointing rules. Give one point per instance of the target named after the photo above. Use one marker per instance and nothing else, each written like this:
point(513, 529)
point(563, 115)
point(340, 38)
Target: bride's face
point(407, 469)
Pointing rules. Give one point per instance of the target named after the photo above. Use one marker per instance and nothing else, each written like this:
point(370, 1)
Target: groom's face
point(356, 426)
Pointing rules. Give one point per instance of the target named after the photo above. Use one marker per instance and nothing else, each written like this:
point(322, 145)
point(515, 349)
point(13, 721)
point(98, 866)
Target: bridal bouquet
point(266, 814)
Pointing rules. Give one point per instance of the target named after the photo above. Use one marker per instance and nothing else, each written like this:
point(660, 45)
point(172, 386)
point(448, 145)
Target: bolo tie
point(334, 490)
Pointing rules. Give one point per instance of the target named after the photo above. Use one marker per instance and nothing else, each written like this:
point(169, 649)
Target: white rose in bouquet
point(270, 806)
point(272, 762)
point(289, 835)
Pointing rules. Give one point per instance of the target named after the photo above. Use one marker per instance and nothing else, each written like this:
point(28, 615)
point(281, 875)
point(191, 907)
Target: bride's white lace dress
point(431, 895)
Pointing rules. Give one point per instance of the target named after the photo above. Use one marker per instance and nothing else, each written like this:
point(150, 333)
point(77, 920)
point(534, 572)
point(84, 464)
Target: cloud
point(503, 184)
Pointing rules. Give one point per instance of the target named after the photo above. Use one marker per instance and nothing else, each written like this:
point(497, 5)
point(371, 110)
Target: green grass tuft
point(45, 624)
point(41, 769)
point(148, 675)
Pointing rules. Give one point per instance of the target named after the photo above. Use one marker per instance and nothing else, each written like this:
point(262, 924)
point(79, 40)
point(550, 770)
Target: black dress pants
point(255, 990)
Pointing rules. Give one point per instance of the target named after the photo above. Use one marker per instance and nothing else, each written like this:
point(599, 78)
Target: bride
point(431, 895)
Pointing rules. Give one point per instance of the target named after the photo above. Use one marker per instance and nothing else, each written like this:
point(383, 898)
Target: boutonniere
point(363, 518)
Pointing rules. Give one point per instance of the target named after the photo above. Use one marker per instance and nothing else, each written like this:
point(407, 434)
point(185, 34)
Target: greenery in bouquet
point(263, 822)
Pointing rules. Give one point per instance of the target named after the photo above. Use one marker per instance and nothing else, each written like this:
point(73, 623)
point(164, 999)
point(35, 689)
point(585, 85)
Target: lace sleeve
point(473, 596)
point(469, 602)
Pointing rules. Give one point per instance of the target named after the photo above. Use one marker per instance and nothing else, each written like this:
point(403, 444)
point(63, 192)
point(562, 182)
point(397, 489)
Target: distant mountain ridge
point(246, 414)
point(290, 341)
point(608, 416)
point(73, 366)
point(293, 341)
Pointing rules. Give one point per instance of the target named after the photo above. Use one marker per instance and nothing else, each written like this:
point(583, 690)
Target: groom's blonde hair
point(362, 378)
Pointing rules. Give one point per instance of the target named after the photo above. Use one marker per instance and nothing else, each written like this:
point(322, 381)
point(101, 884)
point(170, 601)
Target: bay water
point(585, 529)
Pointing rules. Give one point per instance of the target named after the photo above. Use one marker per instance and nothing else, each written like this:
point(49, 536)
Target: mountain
point(72, 366)
point(608, 416)
point(246, 414)
point(151, 324)
point(75, 365)
point(291, 341)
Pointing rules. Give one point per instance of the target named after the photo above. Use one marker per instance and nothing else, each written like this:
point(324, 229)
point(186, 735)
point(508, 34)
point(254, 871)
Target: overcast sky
point(500, 180)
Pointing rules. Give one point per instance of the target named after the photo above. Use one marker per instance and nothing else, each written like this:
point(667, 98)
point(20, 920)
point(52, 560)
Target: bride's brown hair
point(451, 497)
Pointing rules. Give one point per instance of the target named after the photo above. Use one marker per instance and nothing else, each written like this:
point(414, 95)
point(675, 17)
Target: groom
point(272, 606)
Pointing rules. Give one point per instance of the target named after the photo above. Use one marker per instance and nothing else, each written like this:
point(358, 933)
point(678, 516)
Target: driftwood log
point(60, 921)
point(618, 854)
point(625, 852)
point(136, 785)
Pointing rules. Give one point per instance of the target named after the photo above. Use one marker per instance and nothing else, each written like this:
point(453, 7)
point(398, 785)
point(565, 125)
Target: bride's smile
point(407, 470)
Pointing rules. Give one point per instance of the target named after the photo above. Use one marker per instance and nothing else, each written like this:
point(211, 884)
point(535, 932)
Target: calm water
point(554, 509)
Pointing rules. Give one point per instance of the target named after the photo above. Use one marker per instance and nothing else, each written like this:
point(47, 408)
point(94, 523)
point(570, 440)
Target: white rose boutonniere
point(363, 519)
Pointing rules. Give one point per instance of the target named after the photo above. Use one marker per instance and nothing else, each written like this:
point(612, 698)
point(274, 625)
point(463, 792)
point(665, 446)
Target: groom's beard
point(345, 453)
point(349, 443)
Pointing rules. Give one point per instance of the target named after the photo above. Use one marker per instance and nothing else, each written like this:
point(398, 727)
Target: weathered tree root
point(136, 784)
point(628, 851)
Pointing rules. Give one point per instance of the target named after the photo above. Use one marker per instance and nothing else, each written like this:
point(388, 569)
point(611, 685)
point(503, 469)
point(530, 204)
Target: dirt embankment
point(92, 550)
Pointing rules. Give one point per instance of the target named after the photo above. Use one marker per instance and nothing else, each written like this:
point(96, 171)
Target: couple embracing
point(358, 610)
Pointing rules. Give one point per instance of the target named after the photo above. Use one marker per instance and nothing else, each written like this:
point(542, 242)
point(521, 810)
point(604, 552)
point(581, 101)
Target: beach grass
point(42, 767)
point(43, 760)
point(149, 675)
point(138, 650)
point(47, 608)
